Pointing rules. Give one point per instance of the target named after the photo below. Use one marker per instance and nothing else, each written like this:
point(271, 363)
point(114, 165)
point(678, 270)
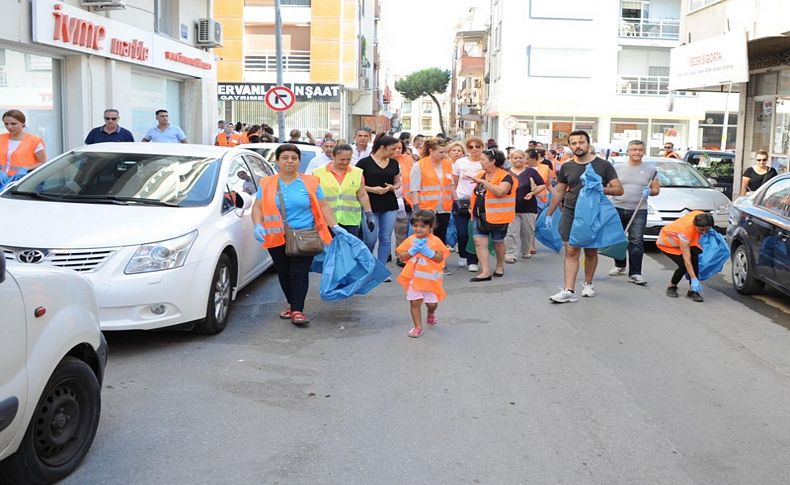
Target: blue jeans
point(385, 224)
point(636, 237)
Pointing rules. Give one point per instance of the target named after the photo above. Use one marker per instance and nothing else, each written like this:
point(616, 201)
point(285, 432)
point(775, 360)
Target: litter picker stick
point(633, 216)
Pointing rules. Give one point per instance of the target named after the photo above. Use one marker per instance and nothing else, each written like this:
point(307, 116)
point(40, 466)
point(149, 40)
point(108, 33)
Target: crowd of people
point(422, 189)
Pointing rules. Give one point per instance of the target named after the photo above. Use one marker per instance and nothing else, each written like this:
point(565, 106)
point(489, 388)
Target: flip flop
point(415, 332)
point(286, 314)
point(433, 319)
point(299, 319)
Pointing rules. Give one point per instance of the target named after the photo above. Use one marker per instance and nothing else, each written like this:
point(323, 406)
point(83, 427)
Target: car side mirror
point(243, 201)
point(2, 267)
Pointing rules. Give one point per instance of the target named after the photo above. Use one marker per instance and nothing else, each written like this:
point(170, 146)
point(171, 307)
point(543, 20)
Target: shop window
point(625, 130)
point(151, 93)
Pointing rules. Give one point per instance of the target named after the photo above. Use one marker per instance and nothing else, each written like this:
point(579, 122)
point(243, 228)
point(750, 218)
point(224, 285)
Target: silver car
point(683, 189)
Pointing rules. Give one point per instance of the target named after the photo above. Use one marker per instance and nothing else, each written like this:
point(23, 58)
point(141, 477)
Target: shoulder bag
point(301, 242)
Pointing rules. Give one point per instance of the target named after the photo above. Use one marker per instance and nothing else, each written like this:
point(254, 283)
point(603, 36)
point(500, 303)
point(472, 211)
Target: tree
point(428, 82)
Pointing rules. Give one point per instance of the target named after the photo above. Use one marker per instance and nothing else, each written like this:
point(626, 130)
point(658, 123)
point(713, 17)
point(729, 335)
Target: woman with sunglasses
point(468, 165)
point(760, 173)
point(493, 208)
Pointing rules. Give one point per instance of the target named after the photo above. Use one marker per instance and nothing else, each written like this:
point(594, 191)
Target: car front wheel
point(61, 429)
point(218, 306)
point(743, 278)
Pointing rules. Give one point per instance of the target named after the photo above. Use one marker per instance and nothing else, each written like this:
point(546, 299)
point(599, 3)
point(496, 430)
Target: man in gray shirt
point(640, 181)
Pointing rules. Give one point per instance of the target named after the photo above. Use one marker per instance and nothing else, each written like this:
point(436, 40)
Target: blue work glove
point(370, 221)
point(427, 251)
point(696, 286)
point(338, 230)
point(416, 246)
point(260, 232)
point(646, 191)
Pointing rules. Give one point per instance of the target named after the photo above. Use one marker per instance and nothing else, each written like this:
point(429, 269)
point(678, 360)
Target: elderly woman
point(432, 185)
point(299, 201)
point(493, 207)
point(19, 150)
point(344, 188)
point(754, 177)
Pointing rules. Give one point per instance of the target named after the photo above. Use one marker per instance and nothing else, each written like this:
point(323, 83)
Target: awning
point(768, 52)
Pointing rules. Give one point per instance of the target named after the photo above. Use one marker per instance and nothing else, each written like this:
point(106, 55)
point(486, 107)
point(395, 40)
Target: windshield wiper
point(37, 195)
point(120, 199)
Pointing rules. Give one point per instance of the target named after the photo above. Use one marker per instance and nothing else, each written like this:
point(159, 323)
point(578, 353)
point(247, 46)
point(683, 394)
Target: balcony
point(471, 66)
point(646, 86)
point(266, 61)
point(649, 29)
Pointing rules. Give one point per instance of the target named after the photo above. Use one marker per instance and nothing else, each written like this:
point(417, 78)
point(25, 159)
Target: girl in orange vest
point(493, 207)
point(680, 241)
point(424, 255)
point(19, 150)
point(432, 185)
point(305, 208)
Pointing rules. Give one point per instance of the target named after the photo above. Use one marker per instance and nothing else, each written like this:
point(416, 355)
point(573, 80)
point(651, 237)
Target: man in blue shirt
point(110, 131)
point(164, 132)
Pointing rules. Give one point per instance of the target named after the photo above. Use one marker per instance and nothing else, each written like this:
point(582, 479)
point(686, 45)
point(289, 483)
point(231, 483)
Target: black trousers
point(681, 271)
point(442, 221)
point(294, 275)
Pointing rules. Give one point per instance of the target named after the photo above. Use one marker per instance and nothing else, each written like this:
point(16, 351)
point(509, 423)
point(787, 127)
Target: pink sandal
point(432, 319)
point(286, 314)
point(415, 332)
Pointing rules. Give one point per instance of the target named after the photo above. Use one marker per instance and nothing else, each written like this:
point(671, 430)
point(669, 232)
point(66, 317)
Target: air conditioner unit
point(104, 4)
point(209, 33)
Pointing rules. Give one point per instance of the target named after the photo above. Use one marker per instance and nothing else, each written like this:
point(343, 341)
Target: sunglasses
point(667, 148)
point(474, 146)
point(107, 118)
point(761, 159)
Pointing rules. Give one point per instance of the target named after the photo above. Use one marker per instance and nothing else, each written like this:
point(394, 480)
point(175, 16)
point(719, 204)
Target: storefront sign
point(257, 91)
point(713, 61)
point(61, 25)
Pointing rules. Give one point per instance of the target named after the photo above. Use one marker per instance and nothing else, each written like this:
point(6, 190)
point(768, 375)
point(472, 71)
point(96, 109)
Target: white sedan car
point(266, 150)
point(683, 189)
point(163, 231)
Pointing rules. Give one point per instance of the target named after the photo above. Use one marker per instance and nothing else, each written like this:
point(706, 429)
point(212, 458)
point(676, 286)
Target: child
point(424, 255)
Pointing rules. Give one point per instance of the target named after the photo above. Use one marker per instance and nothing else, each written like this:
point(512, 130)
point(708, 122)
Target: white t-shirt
point(13, 145)
point(318, 161)
point(357, 155)
point(465, 186)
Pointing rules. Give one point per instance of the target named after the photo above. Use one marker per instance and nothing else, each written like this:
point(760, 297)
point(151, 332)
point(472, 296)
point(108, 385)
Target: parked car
point(683, 190)
point(719, 166)
point(163, 231)
point(759, 238)
point(266, 150)
point(52, 358)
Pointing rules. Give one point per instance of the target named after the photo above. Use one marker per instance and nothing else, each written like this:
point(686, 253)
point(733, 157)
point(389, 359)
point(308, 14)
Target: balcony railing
point(647, 86)
point(641, 28)
point(266, 61)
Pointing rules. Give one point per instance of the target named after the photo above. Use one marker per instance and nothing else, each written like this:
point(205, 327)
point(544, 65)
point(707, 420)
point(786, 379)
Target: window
point(777, 198)
point(709, 137)
point(427, 107)
point(407, 106)
point(3, 73)
point(37, 63)
point(148, 94)
point(165, 17)
point(426, 124)
point(239, 180)
point(697, 4)
point(406, 124)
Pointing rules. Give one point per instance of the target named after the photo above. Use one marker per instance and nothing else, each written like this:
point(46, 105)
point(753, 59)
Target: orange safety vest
point(272, 219)
point(23, 157)
point(546, 174)
point(499, 210)
point(245, 138)
point(668, 240)
point(406, 162)
point(421, 273)
point(222, 140)
point(433, 191)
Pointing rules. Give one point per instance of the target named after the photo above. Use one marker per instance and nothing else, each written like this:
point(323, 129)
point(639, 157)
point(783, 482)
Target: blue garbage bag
point(714, 254)
point(596, 223)
point(452, 232)
point(349, 269)
point(549, 237)
point(4, 179)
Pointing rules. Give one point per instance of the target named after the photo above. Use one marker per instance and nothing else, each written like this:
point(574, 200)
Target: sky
point(417, 34)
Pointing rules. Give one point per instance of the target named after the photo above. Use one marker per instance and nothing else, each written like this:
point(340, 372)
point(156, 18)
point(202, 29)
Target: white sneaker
point(637, 279)
point(588, 290)
point(564, 296)
point(473, 268)
point(461, 262)
point(615, 271)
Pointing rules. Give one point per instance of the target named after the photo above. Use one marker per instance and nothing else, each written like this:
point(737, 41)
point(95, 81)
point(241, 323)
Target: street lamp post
point(278, 43)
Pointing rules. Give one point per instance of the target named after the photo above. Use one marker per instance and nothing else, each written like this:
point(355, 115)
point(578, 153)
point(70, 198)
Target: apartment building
point(330, 60)
point(748, 43)
point(554, 66)
point(63, 62)
point(420, 116)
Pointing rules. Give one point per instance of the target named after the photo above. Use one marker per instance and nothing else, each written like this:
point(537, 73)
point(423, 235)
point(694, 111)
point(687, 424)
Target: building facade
point(420, 116)
point(330, 60)
point(760, 30)
point(63, 63)
point(556, 66)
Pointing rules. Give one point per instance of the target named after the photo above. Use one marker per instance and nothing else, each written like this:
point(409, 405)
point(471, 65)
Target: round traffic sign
point(280, 98)
point(510, 123)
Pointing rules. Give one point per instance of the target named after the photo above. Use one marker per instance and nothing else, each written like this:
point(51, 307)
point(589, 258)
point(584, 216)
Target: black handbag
point(461, 206)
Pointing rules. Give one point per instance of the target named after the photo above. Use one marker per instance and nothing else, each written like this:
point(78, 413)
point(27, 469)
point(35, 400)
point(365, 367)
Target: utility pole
point(278, 42)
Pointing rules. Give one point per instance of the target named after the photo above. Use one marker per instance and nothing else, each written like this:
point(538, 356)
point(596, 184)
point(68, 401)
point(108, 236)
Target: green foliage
point(423, 83)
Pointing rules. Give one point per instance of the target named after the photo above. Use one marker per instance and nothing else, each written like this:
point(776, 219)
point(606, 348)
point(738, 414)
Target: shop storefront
point(654, 132)
point(768, 117)
point(318, 107)
point(67, 65)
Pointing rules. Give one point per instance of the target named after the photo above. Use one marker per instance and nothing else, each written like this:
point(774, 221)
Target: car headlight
point(162, 255)
point(723, 209)
point(650, 209)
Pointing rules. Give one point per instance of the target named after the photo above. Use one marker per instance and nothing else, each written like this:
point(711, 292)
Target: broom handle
point(633, 216)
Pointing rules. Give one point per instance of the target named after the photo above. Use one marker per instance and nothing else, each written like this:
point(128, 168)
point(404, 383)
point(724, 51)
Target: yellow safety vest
point(342, 197)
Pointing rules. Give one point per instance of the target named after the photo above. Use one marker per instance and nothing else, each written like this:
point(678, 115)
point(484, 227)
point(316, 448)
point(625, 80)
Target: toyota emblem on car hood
point(31, 256)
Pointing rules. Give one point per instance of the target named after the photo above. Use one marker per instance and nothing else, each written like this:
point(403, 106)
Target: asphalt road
point(628, 387)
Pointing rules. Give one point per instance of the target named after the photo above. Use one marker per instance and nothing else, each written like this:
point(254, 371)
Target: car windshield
point(268, 154)
point(679, 174)
point(123, 178)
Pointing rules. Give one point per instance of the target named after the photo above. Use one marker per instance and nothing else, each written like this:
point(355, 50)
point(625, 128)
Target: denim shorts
point(498, 235)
